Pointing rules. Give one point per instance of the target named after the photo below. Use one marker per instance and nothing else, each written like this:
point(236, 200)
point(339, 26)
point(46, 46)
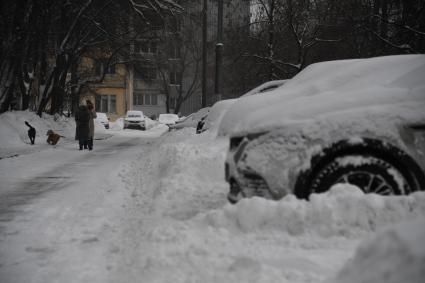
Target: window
point(137, 98)
point(172, 103)
point(152, 47)
point(154, 99)
point(106, 103)
point(175, 25)
point(174, 51)
point(154, 21)
point(112, 104)
point(146, 73)
point(174, 78)
point(146, 47)
point(145, 98)
point(101, 66)
point(110, 69)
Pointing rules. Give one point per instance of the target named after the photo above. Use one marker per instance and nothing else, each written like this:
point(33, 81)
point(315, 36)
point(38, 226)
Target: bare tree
point(44, 40)
point(179, 62)
point(288, 35)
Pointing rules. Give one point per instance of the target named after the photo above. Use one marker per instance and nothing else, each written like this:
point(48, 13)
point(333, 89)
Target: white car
point(350, 121)
point(168, 119)
point(192, 120)
point(134, 119)
point(265, 87)
point(102, 119)
point(231, 118)
point(216, 114)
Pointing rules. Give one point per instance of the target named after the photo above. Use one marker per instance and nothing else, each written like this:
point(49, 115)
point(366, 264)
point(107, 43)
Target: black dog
point(31, 132)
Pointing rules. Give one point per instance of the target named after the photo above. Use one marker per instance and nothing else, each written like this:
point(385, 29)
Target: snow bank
point(15, 132)
point(196, 236)
point(394, 255)
point(191, 169)
point(342, 211)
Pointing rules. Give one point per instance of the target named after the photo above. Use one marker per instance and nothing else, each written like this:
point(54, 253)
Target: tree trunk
point(270, 44)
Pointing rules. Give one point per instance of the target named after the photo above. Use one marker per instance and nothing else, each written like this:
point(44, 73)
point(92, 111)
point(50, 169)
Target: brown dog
point(52, 138)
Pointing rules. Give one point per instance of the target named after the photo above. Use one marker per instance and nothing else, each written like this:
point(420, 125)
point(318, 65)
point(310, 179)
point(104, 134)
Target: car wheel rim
point(368, 182)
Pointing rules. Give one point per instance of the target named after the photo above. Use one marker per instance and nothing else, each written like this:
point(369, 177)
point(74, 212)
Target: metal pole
point(219, 51)
point(204, 53)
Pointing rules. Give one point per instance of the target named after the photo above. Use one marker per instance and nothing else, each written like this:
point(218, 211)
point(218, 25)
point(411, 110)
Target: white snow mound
point(342, 211)
point(394, 255)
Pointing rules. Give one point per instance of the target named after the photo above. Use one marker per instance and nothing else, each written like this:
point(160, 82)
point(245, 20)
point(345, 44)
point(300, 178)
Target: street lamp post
point(204, 53)
point(219, 51)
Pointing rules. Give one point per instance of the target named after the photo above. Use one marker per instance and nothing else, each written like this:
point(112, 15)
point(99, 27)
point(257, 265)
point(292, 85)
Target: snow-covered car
point(102, 119)
point(212, 120)
point(351, 121)
point(134, 119)
point(191, 120)
point(265, 87)
point(168, 119)
point(231, 117)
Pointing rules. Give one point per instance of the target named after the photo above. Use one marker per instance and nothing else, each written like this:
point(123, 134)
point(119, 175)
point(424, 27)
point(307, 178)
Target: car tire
point(235, 193)
point(369, 173)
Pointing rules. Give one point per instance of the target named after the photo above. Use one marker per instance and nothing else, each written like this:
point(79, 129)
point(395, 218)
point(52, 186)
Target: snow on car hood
point(216, 113)
point(136, 119)
point(168, 118)
point(335, 90)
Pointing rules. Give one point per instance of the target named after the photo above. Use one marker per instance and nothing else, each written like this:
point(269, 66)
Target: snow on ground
point(150, 206)
point(394, 255)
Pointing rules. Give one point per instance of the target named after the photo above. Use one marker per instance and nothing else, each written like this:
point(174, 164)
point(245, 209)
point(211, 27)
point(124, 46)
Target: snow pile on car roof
point(332, 87)
point(168, 118)
point(265, 87)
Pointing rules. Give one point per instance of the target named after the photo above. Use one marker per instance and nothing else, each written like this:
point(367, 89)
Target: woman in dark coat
point(93, 116)
point(82, 131)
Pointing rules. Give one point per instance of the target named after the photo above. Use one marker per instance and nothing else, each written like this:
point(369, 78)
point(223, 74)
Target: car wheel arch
point(367, 146)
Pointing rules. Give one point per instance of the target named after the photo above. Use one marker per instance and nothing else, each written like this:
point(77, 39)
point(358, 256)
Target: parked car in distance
point(351, 121)
point(168, 119)
point(191, 120)
point(216, 114)
point(102, 119)
point(134, 119)
point(231, 117)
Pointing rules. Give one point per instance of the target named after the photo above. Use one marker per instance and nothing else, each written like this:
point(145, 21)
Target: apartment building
point(164, 73)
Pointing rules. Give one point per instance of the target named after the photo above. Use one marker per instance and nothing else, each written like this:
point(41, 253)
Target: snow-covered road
point(151, 207)
point(60, 208)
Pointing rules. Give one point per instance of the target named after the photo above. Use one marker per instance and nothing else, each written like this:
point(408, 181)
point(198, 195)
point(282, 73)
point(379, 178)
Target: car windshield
point(134, 115)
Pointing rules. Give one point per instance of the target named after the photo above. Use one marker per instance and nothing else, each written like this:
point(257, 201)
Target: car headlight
point(235, 142)
point(238, 144)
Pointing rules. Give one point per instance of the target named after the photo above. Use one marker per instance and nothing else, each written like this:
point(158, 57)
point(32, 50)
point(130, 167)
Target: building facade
point(164, 73)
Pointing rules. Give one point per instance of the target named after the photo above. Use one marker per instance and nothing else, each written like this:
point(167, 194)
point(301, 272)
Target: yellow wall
point(120, 95)
point(112, 84)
